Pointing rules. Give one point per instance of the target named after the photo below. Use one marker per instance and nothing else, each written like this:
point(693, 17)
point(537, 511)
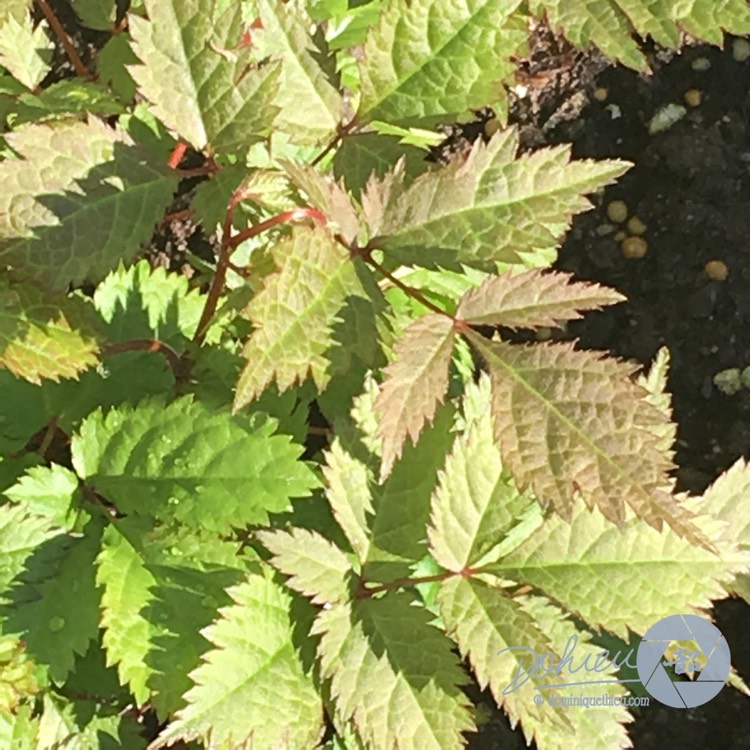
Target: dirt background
point(690, 186)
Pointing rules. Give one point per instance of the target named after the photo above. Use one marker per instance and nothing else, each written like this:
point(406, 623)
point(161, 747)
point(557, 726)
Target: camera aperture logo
point(683, 661)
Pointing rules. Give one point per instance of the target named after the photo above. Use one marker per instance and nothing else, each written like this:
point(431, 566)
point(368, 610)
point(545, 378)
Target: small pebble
point(728, 381)
point(604, 229)
point(740, 50)
point(665, 118)
point(617, 211)
point(543, 334)
point(634, 247)
point(693, 97)
point(716, 270)
point(601, 94)
point(745, 378)
point(701, 64)
point(614, 111)
point(492, 126)
point(636, 226)
point(620, 236)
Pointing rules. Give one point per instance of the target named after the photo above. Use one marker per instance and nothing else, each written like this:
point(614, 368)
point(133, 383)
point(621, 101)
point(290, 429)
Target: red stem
point(62, 35)
point(411, 291)
point(340, 133)
point(283, 218)
point(147, 345)
point(364, 592)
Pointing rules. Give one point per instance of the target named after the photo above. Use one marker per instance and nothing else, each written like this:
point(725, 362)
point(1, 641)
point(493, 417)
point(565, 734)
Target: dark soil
point(691, 186)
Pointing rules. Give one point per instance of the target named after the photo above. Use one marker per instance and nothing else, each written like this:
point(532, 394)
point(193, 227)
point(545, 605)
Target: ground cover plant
point(302, 490)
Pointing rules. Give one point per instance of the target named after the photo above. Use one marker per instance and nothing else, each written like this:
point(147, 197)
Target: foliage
point(274, 495)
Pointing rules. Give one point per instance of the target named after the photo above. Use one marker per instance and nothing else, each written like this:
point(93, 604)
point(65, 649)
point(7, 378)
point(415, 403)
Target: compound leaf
point(297, 309)
point(490, 207)
point(429, 61)
point(609, 24)
point(570, 422)
point(51, 338)
point(302, 79)
point(532, 299)
point(393, 674)
point(94, 199)
point(415, 384)
point(201, 82)
point(188, 462)
point(251, 689)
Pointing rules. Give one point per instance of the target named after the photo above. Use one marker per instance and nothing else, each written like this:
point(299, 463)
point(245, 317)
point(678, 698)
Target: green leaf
point(627, 578)
point(393, 674)
point(96, 14)
point(477, 512)
point(24, 50)
point(316, 567)
point(297, 310)
point(415, 384)
point(185, 461)
point(490, 207)
point(286, 37)
point(52, 337)
point(71, 96)
point(113, 62)
point(570, 422)
point(609, 24)
point(21, 533)
point(200, 82)
point(361, 155)
point(58, 617)
point(94, 199)
point(156, 598)
point(429, 61)
point(532, 299)
point(18, 9)
point(251, 688)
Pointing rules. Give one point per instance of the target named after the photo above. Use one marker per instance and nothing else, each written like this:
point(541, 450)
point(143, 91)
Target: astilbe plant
point(271, 501)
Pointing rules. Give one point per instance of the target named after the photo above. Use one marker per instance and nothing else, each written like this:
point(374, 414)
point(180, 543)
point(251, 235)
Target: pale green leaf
point(532, 299)
point(349, 494)
point(47, 491)
point(316, 568)
point(572, 422)
point(655, 382)
point(623, 579)
point(428, 61)
point(298, 313)
point(188, 462)
point(728, 498)
point(251, 689)
point(25, 51)
point(18, 731)
point(96, 14)
point(609, 24)
point(51, 338)
point(415, 384)
point(286, 37)
point(476, 506)
point(201, 83)
point(490, 207)
point(94, 199)
point(15, 8)
point(393, 674)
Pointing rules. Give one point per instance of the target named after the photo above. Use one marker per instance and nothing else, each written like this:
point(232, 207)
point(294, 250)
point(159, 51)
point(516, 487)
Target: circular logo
point(677, 647)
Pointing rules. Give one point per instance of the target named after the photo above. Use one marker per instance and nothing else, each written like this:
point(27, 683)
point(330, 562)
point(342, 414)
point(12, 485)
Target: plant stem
point(400, 583)
point(284, 217)
point(410, 290)
point(62, 35)
point(340, 133)
point(147, 345)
